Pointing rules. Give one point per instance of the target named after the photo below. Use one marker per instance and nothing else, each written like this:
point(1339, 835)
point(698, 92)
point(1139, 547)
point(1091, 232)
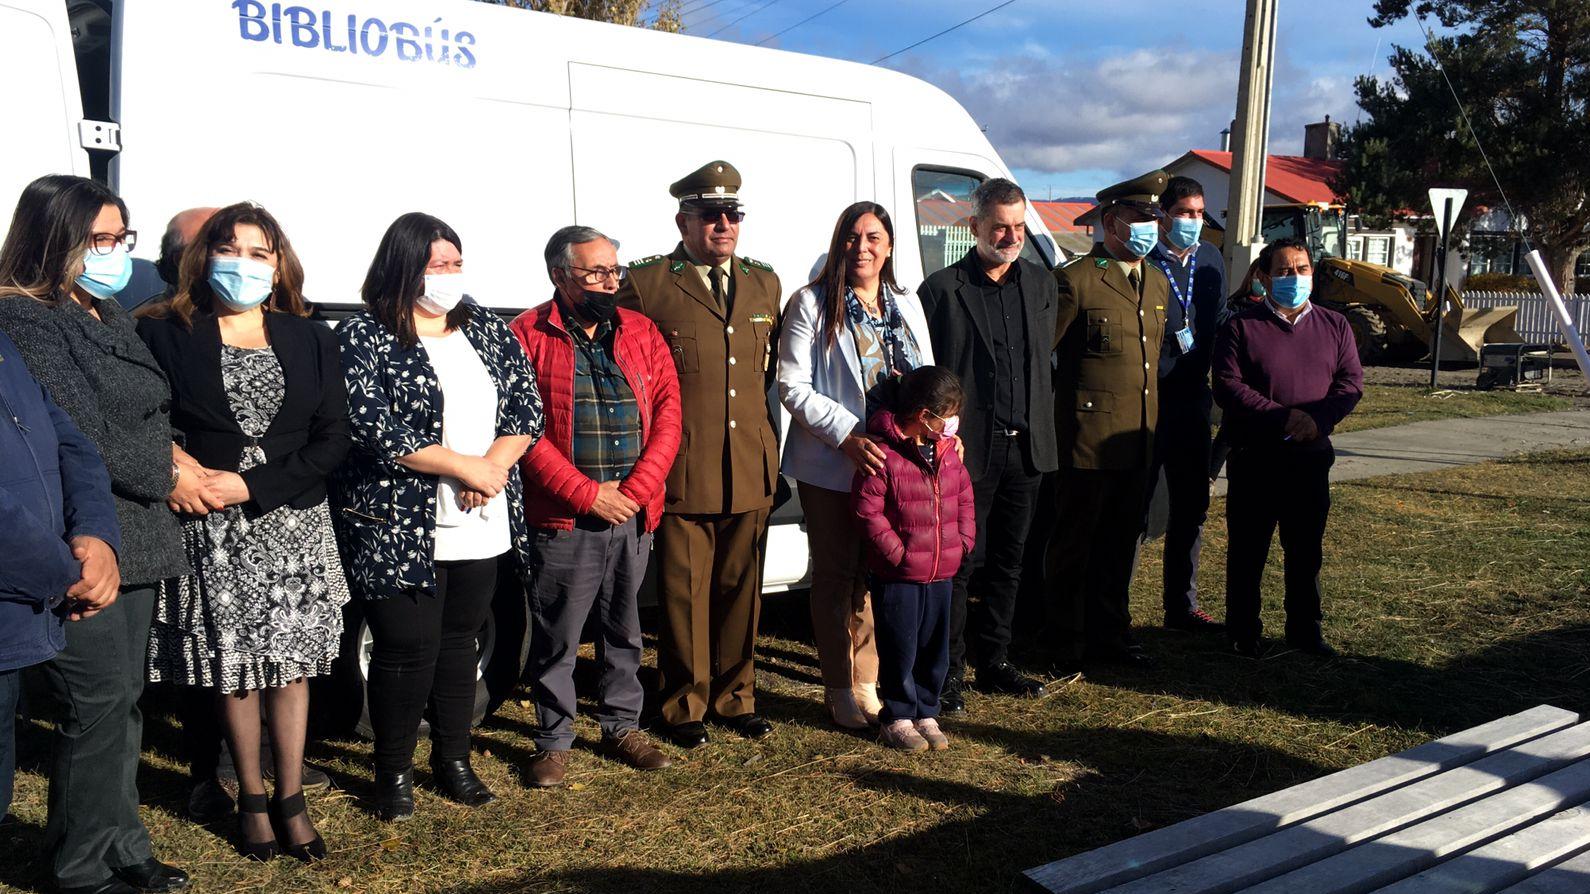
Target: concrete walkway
point(1442, 444)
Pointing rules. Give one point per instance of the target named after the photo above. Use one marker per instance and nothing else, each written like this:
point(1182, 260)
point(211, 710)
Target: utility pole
point(1251, 146)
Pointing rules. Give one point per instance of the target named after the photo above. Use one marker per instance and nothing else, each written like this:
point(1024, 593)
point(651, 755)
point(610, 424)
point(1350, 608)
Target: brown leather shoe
point(548, 768)
point(633, 748)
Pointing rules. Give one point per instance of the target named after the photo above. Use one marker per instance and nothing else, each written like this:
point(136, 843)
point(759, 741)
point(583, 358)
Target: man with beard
point(990, 316)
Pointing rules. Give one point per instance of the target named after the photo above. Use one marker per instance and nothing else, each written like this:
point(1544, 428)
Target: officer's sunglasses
point(596, 275)
point(707, 216)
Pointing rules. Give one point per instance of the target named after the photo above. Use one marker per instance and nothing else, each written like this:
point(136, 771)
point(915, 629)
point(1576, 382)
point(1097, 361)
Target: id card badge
point(1184, 339)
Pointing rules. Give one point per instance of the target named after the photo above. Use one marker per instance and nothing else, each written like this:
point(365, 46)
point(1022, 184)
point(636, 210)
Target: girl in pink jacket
point(919, 520)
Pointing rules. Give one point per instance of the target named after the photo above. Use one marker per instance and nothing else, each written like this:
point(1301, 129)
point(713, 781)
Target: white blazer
point(820, 386)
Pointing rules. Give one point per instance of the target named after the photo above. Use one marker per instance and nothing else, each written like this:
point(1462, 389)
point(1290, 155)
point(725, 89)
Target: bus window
point(943, 211)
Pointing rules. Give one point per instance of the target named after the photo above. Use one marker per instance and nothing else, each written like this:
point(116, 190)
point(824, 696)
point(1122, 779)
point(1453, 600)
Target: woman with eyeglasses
point(64, 259)
point(847, 332)
point(443, 403)
point(258, 397)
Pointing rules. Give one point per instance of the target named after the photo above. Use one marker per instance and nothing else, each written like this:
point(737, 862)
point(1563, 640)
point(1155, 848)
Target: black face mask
point(597, 307)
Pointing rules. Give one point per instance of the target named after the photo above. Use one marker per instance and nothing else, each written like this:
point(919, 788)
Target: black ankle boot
point(281, 812)
point(457, 780)
point(394, 794)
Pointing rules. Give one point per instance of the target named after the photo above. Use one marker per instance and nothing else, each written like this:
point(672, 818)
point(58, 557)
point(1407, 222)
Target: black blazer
point(958, 324)
point(307, 439)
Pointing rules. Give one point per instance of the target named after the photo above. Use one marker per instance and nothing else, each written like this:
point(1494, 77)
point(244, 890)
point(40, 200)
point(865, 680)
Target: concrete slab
point(1238, 868)
point(1373, 865)
point(1571, 876)
point(1505, 861)
point(1444, 443)
point(1161, 849)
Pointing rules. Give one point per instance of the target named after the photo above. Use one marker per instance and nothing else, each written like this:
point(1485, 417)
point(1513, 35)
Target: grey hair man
point(594, 494)
point(991, 316)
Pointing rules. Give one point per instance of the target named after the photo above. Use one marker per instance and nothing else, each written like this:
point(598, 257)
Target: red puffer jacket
point(919, 522)
point(554, 490)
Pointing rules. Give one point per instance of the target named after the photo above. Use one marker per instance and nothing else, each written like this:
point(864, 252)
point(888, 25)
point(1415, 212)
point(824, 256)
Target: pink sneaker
point(928, 728)
point(902, 734)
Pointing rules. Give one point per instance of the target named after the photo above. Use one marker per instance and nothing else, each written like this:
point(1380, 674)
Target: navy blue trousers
point(912, 630)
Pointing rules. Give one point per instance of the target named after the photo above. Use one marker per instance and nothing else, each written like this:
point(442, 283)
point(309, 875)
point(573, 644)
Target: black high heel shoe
point(258, 805)
point(281, 812)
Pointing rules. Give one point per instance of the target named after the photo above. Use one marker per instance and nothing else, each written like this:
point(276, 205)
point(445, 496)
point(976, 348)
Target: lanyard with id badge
point(1184, 335)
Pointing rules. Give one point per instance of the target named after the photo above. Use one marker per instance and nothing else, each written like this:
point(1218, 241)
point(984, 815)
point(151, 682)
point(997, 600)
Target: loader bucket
point(1465, 330)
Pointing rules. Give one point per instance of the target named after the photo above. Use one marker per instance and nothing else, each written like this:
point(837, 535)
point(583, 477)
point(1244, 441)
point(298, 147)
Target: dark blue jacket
point(53, 486)
point(1202, 282)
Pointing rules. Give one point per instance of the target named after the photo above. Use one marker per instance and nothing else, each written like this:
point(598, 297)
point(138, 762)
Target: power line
point(697, 6)
point(985, 12)
point(1429, 45)
point(801, 22)
point(742, 18)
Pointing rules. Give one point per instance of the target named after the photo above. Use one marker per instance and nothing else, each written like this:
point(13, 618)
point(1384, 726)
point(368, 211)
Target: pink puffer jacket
point(919, 522)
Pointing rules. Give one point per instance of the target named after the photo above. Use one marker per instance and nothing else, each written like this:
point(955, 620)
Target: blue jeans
point(912, 628)
point(10, 692)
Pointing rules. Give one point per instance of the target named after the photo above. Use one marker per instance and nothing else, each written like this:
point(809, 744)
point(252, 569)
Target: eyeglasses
point(596, 275)
point(711, 216)
point(105, 243)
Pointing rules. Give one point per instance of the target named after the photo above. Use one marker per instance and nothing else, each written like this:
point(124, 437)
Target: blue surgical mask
point(1184, 232)
point(1290, 291)
point(241, 283)
point(1144, 236)
point(105, 275)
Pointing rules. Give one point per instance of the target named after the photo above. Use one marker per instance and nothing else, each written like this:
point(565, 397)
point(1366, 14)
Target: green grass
point(1458, 596)
point(1385, 405)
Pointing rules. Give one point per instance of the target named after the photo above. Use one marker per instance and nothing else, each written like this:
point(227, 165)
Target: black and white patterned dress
point(265, 607)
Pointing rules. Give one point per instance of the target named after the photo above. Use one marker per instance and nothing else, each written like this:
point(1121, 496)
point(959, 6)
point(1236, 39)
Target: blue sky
point(1078, 95)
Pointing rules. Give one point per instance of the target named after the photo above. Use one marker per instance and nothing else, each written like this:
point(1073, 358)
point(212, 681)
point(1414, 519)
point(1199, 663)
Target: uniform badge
point(1101, 263)
point(676, 267)
point(762, 318)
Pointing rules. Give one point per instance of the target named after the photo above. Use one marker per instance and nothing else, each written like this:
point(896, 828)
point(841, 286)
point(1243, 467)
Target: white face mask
point(443, 292)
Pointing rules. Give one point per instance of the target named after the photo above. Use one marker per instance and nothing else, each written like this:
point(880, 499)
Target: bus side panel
point(41, 106)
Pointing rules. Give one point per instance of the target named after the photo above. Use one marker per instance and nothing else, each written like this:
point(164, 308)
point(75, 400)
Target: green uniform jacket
point(1107, 363)
point(728, 452)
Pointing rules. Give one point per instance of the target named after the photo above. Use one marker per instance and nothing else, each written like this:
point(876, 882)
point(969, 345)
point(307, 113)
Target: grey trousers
point(93, 687)
point(570, 574)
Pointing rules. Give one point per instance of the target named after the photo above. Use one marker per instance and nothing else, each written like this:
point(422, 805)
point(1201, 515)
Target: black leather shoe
point(953, 699)
point(1131, 657)
point(282, 811)
point(112, 885)
point(208, 802)
point(152, 875)
point(1195, 621)
point(751, 726)
point(394, 795)
point(1006, 679)
point(1248, 648)
point(1316, 647)
point(457, 780)
point(690, 734)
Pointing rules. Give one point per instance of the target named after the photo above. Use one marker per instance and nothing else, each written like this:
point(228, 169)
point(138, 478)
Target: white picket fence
point(1536, 322)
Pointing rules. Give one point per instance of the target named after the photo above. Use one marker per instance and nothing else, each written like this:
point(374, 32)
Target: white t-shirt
point(469, 426)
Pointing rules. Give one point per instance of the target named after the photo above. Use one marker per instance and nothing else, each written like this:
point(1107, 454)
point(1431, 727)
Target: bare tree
point(661, 15)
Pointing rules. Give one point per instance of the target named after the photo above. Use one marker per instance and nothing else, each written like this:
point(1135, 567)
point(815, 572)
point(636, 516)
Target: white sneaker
point(842, 708)
point(902, 734)
point(867, 699)
point(928, 727)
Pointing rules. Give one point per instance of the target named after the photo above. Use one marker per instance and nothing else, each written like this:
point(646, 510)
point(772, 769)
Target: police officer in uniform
point(719, 313)
point(1107, 344)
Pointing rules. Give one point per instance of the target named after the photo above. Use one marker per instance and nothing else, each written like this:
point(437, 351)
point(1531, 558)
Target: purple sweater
point(1264, 366)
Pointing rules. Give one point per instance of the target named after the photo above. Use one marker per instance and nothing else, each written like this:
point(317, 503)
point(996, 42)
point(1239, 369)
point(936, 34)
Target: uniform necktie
point(719, 292)
point(1135, 277)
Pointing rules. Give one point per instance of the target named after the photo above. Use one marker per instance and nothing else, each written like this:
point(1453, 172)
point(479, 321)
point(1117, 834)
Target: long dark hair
point(829, 285)
point(194, 294)
point(397, 274)
point(931, 388)
point(50, 233)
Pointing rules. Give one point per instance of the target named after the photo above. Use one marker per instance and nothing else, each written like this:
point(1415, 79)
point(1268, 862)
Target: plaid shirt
point(607, 436)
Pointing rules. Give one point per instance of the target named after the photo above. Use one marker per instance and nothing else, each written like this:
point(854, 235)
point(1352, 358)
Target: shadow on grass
point(1000, 835)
